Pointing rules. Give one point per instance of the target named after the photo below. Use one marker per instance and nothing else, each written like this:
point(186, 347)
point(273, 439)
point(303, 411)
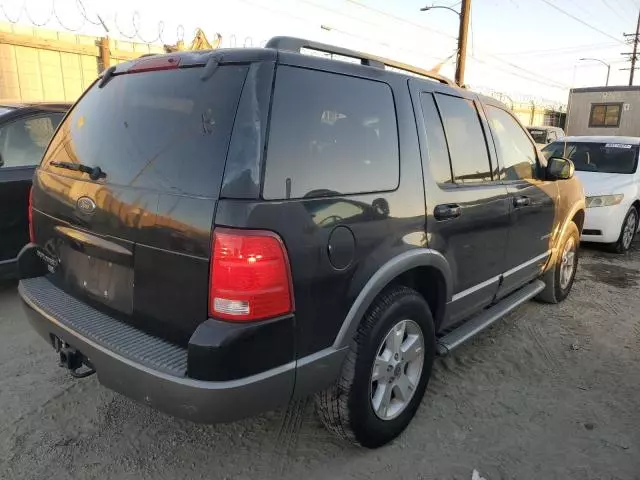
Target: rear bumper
point(153, 372)
point(196, 400)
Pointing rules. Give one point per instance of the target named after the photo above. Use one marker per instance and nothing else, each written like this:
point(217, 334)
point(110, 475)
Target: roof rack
point(293, 44)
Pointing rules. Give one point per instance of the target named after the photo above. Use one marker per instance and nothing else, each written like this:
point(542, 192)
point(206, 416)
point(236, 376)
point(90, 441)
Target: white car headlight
point(604, 200)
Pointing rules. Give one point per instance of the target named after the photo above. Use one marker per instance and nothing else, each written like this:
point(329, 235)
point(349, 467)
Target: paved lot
point(550, 392)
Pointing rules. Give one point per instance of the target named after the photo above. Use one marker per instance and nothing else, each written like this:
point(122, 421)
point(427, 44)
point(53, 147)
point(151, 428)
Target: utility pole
point(465, 15)
point(634, 55)
point(465, 10)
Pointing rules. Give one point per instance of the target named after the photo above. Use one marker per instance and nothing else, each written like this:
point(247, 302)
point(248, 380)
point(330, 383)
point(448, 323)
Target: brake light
point(32, 236)
point(149, 64)
point(250, 277)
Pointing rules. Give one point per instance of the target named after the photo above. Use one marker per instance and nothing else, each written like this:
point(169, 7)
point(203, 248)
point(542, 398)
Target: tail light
point(250, 278)
point(32, 236)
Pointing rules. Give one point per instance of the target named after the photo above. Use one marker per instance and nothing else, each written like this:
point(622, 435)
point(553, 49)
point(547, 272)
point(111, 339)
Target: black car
point(25, 131)
point(219, 232)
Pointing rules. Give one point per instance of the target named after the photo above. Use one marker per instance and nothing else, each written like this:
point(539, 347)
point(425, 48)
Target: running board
point(477, 324)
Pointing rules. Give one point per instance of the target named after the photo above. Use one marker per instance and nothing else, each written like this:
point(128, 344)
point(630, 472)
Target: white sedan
point(608, 169)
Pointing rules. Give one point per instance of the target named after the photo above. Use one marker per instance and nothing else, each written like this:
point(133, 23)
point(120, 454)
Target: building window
point(605, 115)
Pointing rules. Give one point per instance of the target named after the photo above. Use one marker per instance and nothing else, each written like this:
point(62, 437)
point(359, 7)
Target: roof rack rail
point(293, 44)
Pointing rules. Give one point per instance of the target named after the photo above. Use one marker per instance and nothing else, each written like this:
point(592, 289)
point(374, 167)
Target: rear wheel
point(385, 373)
point(627, 231)
point(559, 278)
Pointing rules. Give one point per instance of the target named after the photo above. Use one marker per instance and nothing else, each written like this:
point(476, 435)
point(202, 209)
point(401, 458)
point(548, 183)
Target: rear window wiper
point(95, 173)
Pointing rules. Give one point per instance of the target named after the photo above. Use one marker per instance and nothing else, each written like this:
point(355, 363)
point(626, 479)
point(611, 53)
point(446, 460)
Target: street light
point(463, 15)
point(433, 7)
point(602, 62)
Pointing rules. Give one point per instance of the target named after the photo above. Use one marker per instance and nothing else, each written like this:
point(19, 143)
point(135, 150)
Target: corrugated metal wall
point(59, 66)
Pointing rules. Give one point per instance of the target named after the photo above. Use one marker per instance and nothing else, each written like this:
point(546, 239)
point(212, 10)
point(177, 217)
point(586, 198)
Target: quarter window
point(466, 140)
point(515, 150)
point(605, 115)
point(330, 135)
point(23, 142)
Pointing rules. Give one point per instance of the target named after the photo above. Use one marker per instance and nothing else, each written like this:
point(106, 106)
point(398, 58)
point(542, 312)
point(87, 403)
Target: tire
point(624, 241)
point(557, 288)
point(347, 408)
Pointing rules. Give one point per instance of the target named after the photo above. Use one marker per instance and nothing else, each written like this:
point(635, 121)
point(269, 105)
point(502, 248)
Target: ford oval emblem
point(86, 205)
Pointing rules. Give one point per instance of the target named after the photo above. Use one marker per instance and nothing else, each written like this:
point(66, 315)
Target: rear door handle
point(519, 202)
point(446, 212)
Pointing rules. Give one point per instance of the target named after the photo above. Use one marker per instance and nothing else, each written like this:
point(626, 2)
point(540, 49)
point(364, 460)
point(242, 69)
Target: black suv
point(218, 232)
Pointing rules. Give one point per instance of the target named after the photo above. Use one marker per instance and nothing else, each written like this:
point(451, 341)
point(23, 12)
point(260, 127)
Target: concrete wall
point(38, 64)
point(581, 99)
point(529, 114)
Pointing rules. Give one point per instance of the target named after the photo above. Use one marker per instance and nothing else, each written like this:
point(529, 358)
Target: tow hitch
point(72, 359)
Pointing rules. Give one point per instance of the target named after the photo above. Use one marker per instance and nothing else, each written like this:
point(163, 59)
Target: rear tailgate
point(137, 241)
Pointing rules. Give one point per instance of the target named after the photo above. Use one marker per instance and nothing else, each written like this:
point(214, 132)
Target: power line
point(353, 17)
point(576, 48)
point(400, 19)
point(512, 65)
point(532, 77)
point(528, 72)
point(631, 8)
point(614, 11)
point(579, 20)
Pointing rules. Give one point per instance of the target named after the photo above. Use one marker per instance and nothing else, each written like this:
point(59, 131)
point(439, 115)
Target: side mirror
point(1, 161)
point(559, 168)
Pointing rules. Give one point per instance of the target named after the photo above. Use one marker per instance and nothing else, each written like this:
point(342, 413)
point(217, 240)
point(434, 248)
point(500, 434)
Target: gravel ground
point(550, 392)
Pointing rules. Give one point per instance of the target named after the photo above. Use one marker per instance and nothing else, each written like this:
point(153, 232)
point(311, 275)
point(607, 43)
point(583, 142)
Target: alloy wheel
point(567, 263)
point(629, 229)
point(397, 369)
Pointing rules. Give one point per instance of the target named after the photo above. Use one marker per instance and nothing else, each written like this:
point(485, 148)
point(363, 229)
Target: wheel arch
point(636, 204)
point(578, 219)
point(415, 268)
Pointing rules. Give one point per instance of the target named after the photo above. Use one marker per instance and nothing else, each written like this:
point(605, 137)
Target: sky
point(528, 50)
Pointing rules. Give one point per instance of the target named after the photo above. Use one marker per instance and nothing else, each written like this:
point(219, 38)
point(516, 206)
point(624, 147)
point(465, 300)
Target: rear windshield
point(539, 136)
point(596, 157)
point(165, 130)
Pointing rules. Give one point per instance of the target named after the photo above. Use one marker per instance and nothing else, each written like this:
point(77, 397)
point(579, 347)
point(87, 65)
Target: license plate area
point(103, 281)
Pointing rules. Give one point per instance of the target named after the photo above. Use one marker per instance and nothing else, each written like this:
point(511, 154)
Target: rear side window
point(330, 135)
point(165, 130)
point(436, 142)
point(466, 140)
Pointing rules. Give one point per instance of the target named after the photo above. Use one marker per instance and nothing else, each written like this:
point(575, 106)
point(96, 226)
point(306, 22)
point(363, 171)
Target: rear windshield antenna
point(106, 76)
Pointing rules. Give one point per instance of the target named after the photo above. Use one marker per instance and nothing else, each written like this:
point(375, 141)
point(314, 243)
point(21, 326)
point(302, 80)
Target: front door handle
point(446, 212)
point(519, 202)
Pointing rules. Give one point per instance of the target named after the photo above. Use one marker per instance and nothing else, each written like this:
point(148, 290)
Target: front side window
point(605, 115)
point(515, 150)
point(330, 135)
point(23, 141)
point(465, 138)
point(596, 157)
